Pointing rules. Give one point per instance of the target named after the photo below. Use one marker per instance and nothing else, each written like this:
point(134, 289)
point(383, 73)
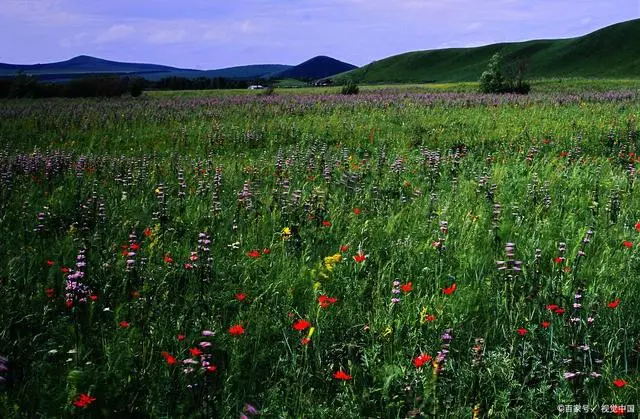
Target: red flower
point(359, 258)
point(301, 325)
point(429, 318)
point(450, 290)
point(421, 359)
point(195, 352)
point(181, 337)
point(168, 258)
point(188, 266)
point(407, 287)
point(627, 244)
point(326, 223)
point(618, 409)
point(344, 248)
point(83, 400)
point(64, 270)
point(522, 331)
point(171, 360)
point(305, 341)
point(551, 307)
point(620, 383)
point(147, 232)
point(545, 324)
point(614, 303)
point(558, 259)
point(254, 254)
point(50, 263)
point(356, 211)
point(638, 226)
point(559, 311)
point(266, 251)
point(241, 296)
point(326, 301)
point(212, 368)
point(341, 375)
point(93, 297)
point(236, 330)
point(134, 246)
point(50, 292)
point(69, 304)
point(124, 324)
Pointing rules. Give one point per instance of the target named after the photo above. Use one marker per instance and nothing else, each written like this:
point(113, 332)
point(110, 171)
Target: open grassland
point(392, 254)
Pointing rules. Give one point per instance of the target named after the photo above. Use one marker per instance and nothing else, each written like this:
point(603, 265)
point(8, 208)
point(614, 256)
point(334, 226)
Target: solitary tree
point(494, 80)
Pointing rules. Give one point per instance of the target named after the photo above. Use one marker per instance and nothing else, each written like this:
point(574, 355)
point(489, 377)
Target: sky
point(209, 34)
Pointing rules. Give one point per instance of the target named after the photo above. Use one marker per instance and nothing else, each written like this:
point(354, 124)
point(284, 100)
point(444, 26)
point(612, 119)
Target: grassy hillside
point(611, 52)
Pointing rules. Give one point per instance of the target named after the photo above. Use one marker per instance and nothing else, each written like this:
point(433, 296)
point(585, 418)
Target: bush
point(351, 88)
point(136, 86)
point(493, 79)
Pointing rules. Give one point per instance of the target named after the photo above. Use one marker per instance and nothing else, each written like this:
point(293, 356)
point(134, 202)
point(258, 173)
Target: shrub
point(351, 88)
point(494, 80)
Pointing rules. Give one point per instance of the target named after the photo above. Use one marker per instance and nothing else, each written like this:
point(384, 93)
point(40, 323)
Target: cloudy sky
point(207, 34)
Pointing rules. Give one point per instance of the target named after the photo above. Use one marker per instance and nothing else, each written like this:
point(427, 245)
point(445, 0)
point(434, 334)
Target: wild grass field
point(391, 254)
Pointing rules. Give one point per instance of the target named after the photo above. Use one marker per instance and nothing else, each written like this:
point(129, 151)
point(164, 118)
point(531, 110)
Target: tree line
point(28, 86)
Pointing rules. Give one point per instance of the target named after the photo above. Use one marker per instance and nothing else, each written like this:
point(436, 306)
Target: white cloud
point(171, 36)
point(115, 33)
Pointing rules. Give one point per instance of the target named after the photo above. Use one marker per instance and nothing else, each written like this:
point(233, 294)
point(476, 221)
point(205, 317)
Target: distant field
point(408, 252)
point(566, 85)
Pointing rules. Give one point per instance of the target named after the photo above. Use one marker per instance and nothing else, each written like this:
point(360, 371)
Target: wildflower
point(64, 270)
point(614, 303)
point(236, 330)
point(171, 360)
point(551, 307)
point(522, 331)
point(301, 325)
point(326, 223)
point(212, 368)
point(627, 244)
point(51, 293)
point(181, 337)
point(50, 263)
point(195, 352)
point(134, 246)
point(250, 410)
point(359, 258)
point(207, 333)
point(188, 266)
point(558, 259)
point(407, 287)
point(559, 311)
point(344, 248)
point(570, 375)
point(620, 383)
point(341, 375)
point(168, 258)
point(326, 301)
point(545, 324)
point(567, 269)
point(147, 232)
point(124, 324)
point(638, 226)
point(421, 359)
point(305, 341)
point(240, 296)
point(450, 290)
point(83, 400)
point(286, 233)
point(254, 254)
point(266, 251)
point(429, 318)
point(357, 211)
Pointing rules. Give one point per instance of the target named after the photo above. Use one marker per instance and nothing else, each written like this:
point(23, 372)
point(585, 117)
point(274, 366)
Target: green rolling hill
point(611, 52)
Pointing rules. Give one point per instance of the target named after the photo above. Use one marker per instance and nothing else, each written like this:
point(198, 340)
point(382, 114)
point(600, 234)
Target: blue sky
point(207, 34)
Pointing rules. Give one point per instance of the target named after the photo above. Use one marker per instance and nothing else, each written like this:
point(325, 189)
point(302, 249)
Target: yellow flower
point(286, 232)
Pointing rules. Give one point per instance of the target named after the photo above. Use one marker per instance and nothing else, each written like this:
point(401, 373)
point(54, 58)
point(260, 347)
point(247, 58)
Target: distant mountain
point(611, 52)
point(85, 65)
point(316, 68)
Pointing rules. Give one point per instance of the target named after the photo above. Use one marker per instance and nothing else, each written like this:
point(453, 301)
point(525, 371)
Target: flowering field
point(385, 255)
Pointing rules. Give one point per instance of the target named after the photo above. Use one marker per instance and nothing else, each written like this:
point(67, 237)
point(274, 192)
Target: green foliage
point(350, 88)
point(136, 86)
